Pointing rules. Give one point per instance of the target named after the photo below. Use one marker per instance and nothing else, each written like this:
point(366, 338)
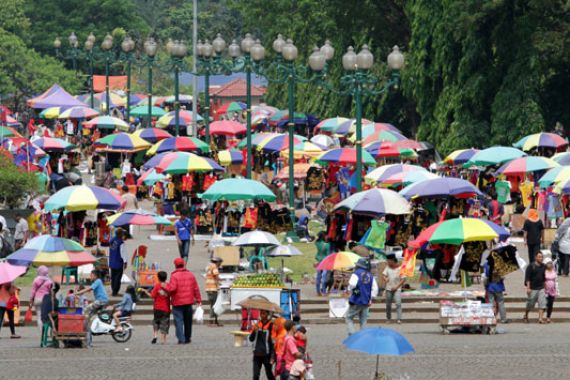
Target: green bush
point(15, 183)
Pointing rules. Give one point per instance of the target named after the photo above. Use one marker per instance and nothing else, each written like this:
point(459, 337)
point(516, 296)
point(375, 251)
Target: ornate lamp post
point(177, 51)
point(150, 49)
point(127, 55)
point(107, 45)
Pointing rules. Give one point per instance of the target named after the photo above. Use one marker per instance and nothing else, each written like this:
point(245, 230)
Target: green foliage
point(15, 183)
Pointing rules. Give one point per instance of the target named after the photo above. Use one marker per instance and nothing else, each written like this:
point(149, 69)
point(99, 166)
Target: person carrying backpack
point(263, 349)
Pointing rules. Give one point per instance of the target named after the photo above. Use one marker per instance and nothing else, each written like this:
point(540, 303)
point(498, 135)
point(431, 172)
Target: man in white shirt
point(363, 288)
point(21, 232)
point(394, 281)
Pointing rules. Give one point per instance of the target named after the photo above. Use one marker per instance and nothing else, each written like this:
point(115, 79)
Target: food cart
point(473, 314)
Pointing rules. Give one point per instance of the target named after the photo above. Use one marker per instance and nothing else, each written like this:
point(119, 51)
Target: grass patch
point(298, 264)
point(26, 279)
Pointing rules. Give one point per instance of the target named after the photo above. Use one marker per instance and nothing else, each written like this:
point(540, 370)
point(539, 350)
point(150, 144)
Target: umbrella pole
point(377, 364)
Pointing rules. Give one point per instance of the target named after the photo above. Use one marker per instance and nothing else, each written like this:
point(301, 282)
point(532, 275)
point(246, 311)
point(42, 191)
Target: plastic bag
point(219, 308)
point(199, 315)
point(28, 316)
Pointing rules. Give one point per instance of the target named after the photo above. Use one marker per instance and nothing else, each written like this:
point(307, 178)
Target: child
point(11, 304)
point(70, 298)
point(125, 307)
point(161, 308)
point(298, 369)
point(82, 299)
point(550, 287)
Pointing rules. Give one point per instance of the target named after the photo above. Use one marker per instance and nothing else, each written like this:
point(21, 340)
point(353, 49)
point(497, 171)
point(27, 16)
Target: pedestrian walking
point(40, 287)
point(160, 307)
point(393, 283)
point(363, 287)
point(533, 233)
point(290, 350)
point(263, 348)
point(118, 260)
point(550, 287)
point(534, 281)
point(213, 286)
point(8, 304)
point(184, 293)
point(323, 250)
point(21, 232)
point(183, 232)
point(495, 286)
point(562, 240)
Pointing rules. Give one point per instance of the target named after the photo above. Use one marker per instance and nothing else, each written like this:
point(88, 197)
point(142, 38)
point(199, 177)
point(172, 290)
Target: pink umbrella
point(9, 272)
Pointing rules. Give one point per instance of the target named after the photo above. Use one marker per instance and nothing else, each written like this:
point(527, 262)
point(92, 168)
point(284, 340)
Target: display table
point(239, 294)
point(468, 313)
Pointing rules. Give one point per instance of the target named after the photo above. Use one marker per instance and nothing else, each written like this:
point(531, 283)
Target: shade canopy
point(375, 202)
point(378, 341)
point(51, 251)
point(235, 189)
point(346, 156)
point(80, 198)
point(122, 142)
point(55, 96)
point(180, 144)
point(460, 230)
point(137, 218)
point(495, 156)
point(256, 238)
point(184, 162)
point(440, 187)
point(339, 261)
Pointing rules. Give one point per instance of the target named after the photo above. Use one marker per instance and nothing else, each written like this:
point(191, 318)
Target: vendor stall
point(469, 314)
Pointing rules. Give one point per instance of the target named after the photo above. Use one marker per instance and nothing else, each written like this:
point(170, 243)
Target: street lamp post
point(358, 82)
point(177, 51)
point(150, 48)
point(127, 47)
point(107, 45)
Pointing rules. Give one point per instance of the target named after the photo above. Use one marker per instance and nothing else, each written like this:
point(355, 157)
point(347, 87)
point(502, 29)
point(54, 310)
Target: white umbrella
point(284, 251)
point(325, 141)
point(256, 238)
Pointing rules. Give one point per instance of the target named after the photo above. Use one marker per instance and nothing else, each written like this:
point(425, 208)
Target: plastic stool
point(46, 334)
point(68, 272)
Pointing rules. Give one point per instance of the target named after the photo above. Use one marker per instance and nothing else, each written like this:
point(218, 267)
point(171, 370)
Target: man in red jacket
point(184, 293)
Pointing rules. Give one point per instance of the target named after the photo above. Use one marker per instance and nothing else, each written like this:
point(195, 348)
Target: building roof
point(237, 88)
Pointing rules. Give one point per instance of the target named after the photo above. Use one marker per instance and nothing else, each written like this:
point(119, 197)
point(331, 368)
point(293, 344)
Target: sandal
point(541, 322)
point(525, 319)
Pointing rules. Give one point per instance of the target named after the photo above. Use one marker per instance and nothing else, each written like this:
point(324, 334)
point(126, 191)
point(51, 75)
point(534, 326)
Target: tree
point(16, 183)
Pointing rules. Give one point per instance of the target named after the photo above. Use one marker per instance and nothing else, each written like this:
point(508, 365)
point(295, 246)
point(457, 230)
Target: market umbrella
point(349, 126)
point(226, 128)
point(184, 162)
point(9, 272)
point(284, 251)
point(346, 156)
point(371, 128)
point(440, 187)
point(380, 149)
point(228, 157)
point(50, 113)
point(184, 119)
point(231, 107)
point(300, 171)
point(378, 341)
point(152, 135)
point(278, 143)
point(182, 98)
point(460, 230)
point(384, 172)
point(137, 218)
point(339, 261)
point(382, 136)
point(562, 158)
point(256, 139)
point(235, 189)
point(460, 156)
point(375, 202)
point(122, 142)
point(78, 113)
point(51, 251)
point(527, 164)
point(563, 187)
point(256, 238)
point(324, 141)
point(8, 132)
point(331, 124)
point(494, 156)
point(408, 178)
point(179, 144)
point(260, 303)
point(79, 198)
point(263, 109)
point(52, 144)
point(554, 175)
point(100, 100)
point(107, 122)
point(142, 111)
point(541, 140)
point(155, 160)
point(303, 149)
point(150, 177)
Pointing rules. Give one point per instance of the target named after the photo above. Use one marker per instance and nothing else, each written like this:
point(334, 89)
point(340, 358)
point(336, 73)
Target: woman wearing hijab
point(40, 287)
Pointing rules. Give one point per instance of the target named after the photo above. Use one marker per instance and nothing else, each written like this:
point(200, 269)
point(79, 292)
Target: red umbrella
point(227, 128)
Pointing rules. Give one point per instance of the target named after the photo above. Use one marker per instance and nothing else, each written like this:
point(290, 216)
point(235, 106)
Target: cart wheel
point(493, 330)
point(485, 330)
point(83, 343)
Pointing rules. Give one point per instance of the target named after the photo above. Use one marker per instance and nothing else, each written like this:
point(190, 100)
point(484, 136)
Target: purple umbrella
point(440, 187)
point(375, 201)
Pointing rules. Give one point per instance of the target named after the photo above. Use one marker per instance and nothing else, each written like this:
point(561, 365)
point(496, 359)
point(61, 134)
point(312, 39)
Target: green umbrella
point(236, 189)
point(142, 111)
point(6, 132)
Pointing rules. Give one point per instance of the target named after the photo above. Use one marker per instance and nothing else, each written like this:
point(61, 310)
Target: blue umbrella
point(378, 341)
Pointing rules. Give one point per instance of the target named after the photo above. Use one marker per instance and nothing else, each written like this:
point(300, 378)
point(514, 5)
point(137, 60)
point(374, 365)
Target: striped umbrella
point(371, 128)
point(563, 187)
point(152, 162)
point(152, 135)
point(526, 165)
point(381, 135)
point(554, 175)
point(279, 142)
point(494, 156)
point(150, 177)
point(137, 218)
point(51, 113)
point(303, 149)
point(231, 107)
point(459, 157)
point(384, 172)
point(440, 187)
point(52, 144)
point(107, 122)
point(228, 157)
point(408, 178)
point(180, 144)
point(562, 158)
point(256, 139)
point(184, 162)
point(541, 140)
point(345, 156)
point(80, 198)
point(460, 230)
point(122, 142)
point(375, 202)
point(237, 189)
point(256, 238)
point(349, 126)
point(324, 141)
point(142, 111)
point(330, 125)
point(382, 149)
point(8, 132)
point(184, 119)
point(78, 113)
point(226, 128)
point(339, 261)
point(51, 251)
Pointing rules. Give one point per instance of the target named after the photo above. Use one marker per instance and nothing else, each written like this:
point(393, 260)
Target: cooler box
point(147, 278)
point(70, 323)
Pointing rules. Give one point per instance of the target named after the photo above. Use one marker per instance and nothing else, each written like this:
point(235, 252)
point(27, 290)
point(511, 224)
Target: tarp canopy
point(118, 82)
point(55, 96)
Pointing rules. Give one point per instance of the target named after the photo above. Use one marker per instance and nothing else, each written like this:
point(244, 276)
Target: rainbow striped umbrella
point(304, 149)
point(562, 158)
point(51, 251)
point(368, 129)
point(137, 218)
point(440, 187)
point(151, 163)
point(349, 126)
point(554, 175)
point(142, 111)
point(381, 149)
point(540, 140)
point(460, 230)
point(231, 107)
point(181, 144)
point(184, 162)
point(330, 125)
point(384, 172)
point(51, 113)
point(346, 156)
point(80, 198)
point(8, 132)
point(150, 177)
point(459, 157)
point(563, 187)
point(375, 202)
point(107, 122)
point(324, 141)
point(184, 119)
point(279, 142)
point(78, 113)
point(53, 144)
point(228, 157)
point(152, 135)
point(237, 189)
point(226, 128)
point(494, 156)
point(256, 139)
point(408, 178)
point(339, 261)
point(122, 142)
point(379, 136)
point(299, 171)
point(526, 165)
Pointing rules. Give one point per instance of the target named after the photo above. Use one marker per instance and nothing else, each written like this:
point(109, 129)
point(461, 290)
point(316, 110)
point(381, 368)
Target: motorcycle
point(103, 323)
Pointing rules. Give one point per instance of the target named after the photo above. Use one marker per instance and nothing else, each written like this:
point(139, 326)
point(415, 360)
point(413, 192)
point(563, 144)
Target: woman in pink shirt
point(40, 287)
point(289, 349)
point(550, 287)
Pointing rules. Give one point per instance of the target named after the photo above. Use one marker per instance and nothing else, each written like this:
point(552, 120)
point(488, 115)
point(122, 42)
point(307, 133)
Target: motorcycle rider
point(99, 293)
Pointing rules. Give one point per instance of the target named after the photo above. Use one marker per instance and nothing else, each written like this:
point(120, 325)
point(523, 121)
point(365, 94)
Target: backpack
point(6, 248)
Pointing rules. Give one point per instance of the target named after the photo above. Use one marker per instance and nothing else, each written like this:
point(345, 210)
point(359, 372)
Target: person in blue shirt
point(125, 307)
point(117, 260)
point(99, 293)
point(183, 231)
point(363, 287)
point(495, 287)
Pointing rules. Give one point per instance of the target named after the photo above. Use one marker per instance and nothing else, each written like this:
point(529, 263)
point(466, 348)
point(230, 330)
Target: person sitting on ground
point(125, 307)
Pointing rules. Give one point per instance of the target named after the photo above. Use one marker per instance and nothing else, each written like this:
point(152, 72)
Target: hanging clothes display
point(554, 210)
point(90, 234)
point(471, 260)
point(526, 192)
point(503, 191)
point(376, 236)
point(209, 180)
point(187, 183)
point(250, 218)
